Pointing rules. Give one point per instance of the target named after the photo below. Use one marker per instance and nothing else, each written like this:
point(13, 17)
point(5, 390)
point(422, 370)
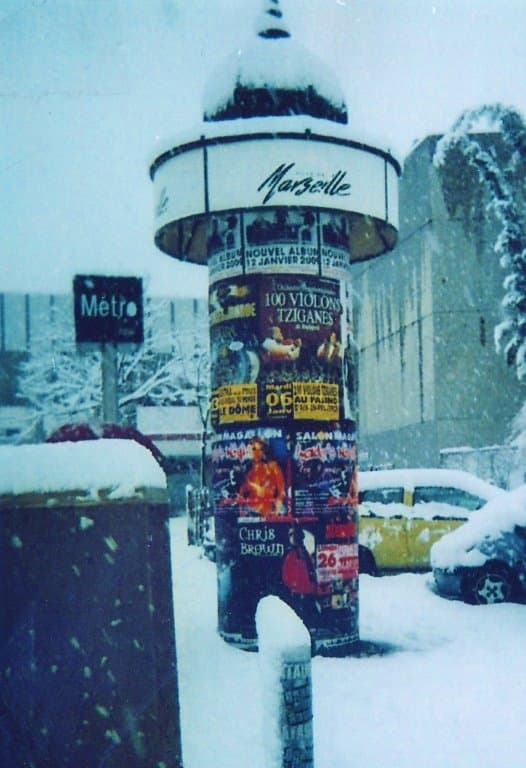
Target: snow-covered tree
point(58, 384)
point(501, 170)
point(61, 383)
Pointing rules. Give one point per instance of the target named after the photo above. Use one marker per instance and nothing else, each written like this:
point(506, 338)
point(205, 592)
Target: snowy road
point(451, 693)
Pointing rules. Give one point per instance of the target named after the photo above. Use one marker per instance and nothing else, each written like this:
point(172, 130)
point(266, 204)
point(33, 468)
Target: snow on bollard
point(285, 662)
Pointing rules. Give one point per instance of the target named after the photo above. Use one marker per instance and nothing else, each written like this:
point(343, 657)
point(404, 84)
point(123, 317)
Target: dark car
point(484, 560)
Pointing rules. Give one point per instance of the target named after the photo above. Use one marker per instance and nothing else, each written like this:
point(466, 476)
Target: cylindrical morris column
point(278, 208)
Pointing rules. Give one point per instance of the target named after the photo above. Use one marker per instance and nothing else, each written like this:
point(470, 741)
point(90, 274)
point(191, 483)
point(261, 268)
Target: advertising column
point(284, 453)
point(278, 216)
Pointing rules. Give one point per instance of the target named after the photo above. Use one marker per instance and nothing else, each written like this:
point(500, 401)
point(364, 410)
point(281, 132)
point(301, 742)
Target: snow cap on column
point(273, 75)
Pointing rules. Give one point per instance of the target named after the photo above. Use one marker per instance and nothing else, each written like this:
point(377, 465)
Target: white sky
point(93, 90)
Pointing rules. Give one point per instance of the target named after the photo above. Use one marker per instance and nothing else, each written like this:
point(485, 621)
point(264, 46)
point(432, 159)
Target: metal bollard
point(285, 661)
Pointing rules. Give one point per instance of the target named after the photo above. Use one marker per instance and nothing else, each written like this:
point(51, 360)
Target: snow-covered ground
point(450, 693)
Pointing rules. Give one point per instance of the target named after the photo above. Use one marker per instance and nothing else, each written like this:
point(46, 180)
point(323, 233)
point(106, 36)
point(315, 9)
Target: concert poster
point(281, 240)
point(334, 244)
point(269, 542)
point(234, 350)
point(276, 348)
point(224, 245)
point(325, 479)
point(300, 331)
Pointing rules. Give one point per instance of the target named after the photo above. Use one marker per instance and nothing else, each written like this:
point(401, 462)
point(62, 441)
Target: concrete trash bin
point(87, 636)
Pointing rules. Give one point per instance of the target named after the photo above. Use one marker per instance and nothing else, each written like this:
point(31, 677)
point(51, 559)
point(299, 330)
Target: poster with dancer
point(252, 502)
point(252, 473)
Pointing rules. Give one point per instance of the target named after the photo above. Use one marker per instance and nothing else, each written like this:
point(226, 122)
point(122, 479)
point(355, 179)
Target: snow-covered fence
point(285, 660)
point(499, 464)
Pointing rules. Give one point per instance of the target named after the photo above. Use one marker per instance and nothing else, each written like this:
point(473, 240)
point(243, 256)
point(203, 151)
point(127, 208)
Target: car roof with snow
point(498, 516)
point(409, 479)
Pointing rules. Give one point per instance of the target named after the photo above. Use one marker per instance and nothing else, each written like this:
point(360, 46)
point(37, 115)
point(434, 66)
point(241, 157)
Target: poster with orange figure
point(252, 473)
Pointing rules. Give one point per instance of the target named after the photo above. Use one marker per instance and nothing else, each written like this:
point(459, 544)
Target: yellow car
point(402, 512)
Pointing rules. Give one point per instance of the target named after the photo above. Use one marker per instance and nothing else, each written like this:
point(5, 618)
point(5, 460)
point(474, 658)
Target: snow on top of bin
point(119, 467)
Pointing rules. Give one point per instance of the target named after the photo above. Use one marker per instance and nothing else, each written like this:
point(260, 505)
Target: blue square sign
point(108, 309)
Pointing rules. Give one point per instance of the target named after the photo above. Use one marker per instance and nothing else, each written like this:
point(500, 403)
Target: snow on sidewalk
point(452, 692)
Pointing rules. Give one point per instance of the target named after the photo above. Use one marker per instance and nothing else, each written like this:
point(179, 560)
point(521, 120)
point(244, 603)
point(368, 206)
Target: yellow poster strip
point(233, 403)
point(316, 400)
point(278, 400)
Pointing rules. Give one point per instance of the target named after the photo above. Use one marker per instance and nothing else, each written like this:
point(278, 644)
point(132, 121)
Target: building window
point(482, 331)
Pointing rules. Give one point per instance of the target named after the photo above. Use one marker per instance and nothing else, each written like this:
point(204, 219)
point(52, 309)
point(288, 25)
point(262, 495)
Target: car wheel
point(493, 583)
point(366, 561)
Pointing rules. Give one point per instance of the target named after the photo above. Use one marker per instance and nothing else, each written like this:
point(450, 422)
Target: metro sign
point(108, 309)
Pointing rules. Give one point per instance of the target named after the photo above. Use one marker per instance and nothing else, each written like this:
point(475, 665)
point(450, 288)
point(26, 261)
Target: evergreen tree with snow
point(501, 169)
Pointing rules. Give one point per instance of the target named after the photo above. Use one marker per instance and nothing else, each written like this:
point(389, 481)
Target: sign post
point(110, 399)
point(108, 313)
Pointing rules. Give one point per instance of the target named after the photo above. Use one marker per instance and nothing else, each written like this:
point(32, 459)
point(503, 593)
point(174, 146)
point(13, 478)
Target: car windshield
point(382, 495)
point(452, 496)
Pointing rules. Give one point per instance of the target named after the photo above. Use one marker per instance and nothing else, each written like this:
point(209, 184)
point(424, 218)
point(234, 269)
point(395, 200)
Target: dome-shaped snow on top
point(273, 76)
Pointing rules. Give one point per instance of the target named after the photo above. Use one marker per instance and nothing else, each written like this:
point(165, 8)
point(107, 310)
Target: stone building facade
point(430, 377)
